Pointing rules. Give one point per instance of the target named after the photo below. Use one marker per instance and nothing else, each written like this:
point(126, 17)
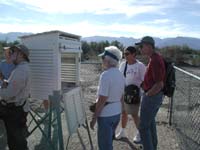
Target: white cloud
point(163, 27)
point(116, 30)
point(10, 19)
point(161, 21)
point(128, 7)
point(6, 2)
point(140, 30)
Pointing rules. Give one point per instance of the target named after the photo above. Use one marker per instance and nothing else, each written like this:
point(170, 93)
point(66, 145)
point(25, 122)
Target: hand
point(147, 94)
point(93, 122)
point(4, 84)
point(1, 76)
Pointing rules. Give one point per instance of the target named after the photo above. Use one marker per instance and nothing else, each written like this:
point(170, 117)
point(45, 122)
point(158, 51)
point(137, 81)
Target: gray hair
point(115, 51)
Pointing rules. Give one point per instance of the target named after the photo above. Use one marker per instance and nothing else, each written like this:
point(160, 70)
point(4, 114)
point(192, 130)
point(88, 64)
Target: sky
point(115, 18)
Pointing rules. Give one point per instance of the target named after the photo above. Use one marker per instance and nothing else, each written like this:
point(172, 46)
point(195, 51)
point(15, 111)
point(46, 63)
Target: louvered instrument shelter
point(54, 61)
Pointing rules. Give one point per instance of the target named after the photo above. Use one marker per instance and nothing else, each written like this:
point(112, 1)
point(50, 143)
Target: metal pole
point(88, 131)
point(50, 117)
point(57, 99)
point(171, 110)
point(189, 93)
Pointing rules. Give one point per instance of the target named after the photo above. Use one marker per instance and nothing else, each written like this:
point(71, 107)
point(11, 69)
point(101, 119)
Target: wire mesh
point(186, 110)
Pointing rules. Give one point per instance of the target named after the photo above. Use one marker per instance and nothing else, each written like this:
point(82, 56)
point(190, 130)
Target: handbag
point(132, 94)
point(92, 107)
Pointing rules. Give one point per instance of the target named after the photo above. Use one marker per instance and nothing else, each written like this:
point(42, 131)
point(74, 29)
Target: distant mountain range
point(12, 36)
point(193, 43)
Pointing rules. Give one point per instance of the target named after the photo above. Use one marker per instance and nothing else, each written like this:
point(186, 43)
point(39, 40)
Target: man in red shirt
point(153, 95)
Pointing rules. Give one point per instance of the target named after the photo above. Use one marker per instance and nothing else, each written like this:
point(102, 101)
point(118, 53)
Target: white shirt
point(111, 85)
point(134, 72)
point(18, 88)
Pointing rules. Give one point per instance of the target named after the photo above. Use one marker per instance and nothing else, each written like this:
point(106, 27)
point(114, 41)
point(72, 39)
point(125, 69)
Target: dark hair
point(131, 49)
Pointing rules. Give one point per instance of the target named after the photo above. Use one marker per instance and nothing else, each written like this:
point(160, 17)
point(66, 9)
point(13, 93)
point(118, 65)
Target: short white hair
point(115, 51)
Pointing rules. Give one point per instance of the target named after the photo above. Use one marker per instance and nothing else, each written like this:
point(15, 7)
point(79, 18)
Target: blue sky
point(128, 18)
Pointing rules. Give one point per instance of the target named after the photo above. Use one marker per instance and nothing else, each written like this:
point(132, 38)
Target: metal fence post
point(56, 98)
point(189, 92)
point(171, 110)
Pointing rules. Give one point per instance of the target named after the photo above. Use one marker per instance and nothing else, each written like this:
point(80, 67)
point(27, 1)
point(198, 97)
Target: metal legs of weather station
point(86, 126)
point(54, 118)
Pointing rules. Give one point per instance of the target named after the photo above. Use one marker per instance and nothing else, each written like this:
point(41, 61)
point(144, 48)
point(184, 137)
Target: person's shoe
point(120, 135)
point(137, 139)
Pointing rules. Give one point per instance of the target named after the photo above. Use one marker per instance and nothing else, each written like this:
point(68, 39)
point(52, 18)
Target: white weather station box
point(54, 61)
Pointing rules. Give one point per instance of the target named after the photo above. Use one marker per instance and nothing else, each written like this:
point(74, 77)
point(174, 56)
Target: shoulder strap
point(125, 68)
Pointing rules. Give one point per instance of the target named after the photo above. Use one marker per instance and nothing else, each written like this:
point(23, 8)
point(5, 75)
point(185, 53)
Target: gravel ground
point(167, 139)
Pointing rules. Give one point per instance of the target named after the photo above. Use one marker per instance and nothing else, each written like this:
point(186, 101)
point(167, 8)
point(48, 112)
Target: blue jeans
point(106, 131)
point(149, 108)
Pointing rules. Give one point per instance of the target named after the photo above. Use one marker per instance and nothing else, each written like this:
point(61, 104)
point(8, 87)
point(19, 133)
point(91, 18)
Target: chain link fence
point(186, 110)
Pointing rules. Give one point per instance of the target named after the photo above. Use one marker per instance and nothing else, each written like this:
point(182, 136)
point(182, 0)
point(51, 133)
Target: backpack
point(132, 92)
point(170, 79)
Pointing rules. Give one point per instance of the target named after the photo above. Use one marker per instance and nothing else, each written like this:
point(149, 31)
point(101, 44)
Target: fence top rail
point(190, 74)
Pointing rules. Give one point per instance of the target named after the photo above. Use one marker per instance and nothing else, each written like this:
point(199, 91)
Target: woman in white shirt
point(134, 74)
point(109, 98)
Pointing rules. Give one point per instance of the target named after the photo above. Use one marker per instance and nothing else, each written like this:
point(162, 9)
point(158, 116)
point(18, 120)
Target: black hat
point(146, 39)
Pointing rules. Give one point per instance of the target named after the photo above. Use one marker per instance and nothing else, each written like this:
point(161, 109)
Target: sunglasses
point(13, 50)
point(126, 54)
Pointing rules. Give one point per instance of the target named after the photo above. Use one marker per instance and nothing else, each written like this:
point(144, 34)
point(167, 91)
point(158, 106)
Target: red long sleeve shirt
point(155, 71)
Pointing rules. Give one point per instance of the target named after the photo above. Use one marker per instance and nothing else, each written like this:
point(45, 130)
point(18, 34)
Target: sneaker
point(137, 138)
point(120, 135)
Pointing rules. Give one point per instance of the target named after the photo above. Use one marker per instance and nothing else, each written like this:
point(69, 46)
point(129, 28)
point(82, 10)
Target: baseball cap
point(23, 49)
point(146, 39)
